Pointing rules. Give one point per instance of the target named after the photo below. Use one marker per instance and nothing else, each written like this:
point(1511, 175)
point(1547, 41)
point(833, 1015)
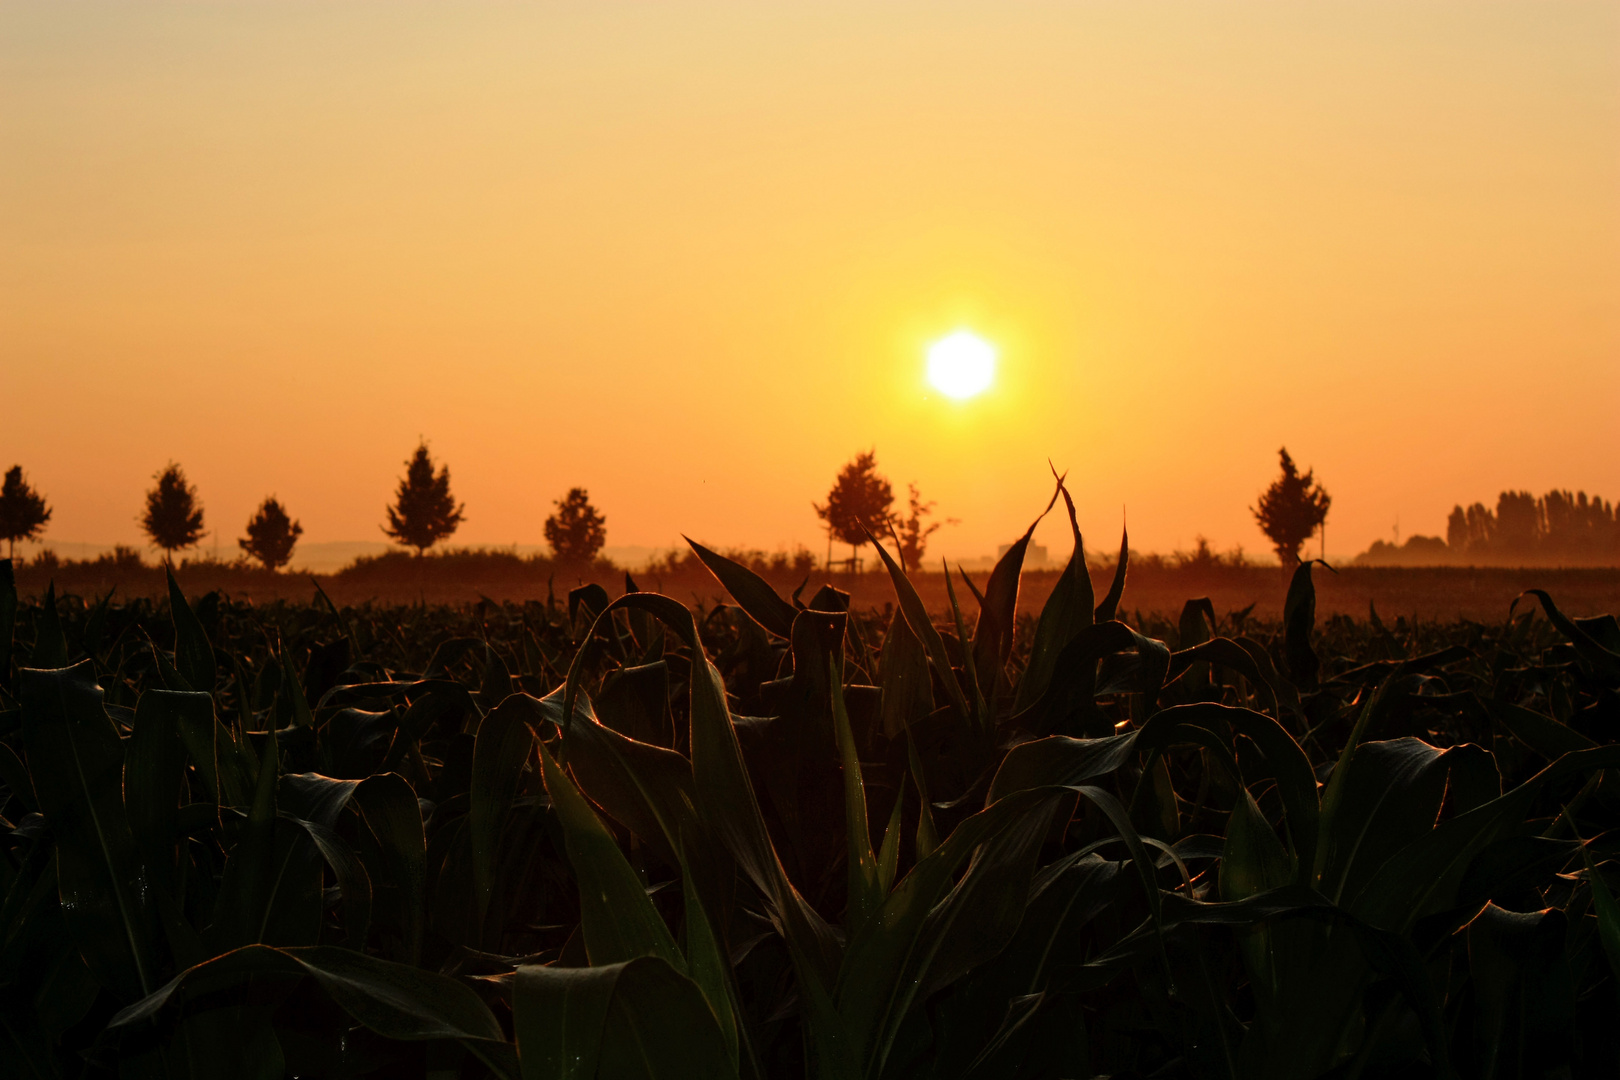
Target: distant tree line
point(423, 513)
point(1559, 528)
point(1558, 525)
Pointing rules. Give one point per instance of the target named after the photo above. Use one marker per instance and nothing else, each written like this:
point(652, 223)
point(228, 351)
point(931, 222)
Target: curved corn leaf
point(1067, 611)
point(270, 891)
point(500, 752)
point(1424, 878)
point(1604, 661)
point(1248, 659)
point(916, 616)
point(753, 593)
point(639, 1019)
point(729, 809)
point(649, 790)
point(76, 760)
point(1069, 703)
point(865, 890)
point(50, 644)
point(619, 921)
point(1540, 733)
point(1296, 783)
point(998, 608)
point(889, 959)
point(155, 775)
point(392, 862)
point(193, 655)
point(1109, 608)
point(1523, 993)
point(396, 1001)
point(1607, 910)
point(907, 691)
point(1299, 623)
point(8, 619)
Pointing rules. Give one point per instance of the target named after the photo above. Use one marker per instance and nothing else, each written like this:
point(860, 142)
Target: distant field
point(1481, 594)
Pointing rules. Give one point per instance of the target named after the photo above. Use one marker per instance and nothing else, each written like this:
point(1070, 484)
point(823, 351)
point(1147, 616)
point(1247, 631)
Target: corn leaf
point(76, 761)
point(640, 1019)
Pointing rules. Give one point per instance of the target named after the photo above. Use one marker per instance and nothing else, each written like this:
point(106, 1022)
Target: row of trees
point(1558, 525)
point(1289, 512)
point(423, 513)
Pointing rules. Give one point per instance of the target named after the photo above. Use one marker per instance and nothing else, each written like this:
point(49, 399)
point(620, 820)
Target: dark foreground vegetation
point(619, 838)
point(460, 576)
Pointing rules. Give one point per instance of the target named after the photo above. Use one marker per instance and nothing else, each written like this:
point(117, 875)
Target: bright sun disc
point(961, 365)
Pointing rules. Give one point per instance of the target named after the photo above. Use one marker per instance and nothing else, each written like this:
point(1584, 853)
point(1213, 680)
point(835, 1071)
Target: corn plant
point(619, 837)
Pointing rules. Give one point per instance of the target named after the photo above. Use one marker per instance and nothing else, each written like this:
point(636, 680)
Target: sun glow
point(961, 365)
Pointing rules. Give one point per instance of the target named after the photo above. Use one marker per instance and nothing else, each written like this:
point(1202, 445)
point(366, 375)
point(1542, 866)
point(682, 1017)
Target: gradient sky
point(689, 256)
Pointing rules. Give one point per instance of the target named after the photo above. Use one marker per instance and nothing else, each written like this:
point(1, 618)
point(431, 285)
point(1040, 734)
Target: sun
point(961, 365)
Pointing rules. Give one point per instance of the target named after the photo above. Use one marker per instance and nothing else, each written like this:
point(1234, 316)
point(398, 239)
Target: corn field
point(601, 837)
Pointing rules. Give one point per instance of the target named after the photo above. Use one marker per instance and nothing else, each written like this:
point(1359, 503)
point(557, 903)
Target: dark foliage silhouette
point(23, 512)
point(271, 535)
point(1291, 509)
point(1561, 528)
point(914, 530)
point(577, 531)
point(424, 511)
point(1558, 525)
point(173, 518)
point(860, 501)
point(772, 838)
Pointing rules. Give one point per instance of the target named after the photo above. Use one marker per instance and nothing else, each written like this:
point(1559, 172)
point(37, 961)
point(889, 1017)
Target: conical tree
point(860, 500)
point(1291, 509)
point(577, 531)
point(23, 512)
point(174, 517)
point(424, 512)
point(271, 535)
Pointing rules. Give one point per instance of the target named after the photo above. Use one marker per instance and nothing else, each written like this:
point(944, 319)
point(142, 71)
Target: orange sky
point(689, 257)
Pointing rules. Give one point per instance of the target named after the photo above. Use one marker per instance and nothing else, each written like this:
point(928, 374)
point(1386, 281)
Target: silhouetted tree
point(1457, 537)
point(1559, 525)
point(424, 512)
point(913, 533)
point(1291, 509)
point(1473, 529)
point(174, 517)
point(23, 512)
point(860, 500)
point(1518, 523)
point(1576, 525)
point(577, 531)
point(271, 535)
